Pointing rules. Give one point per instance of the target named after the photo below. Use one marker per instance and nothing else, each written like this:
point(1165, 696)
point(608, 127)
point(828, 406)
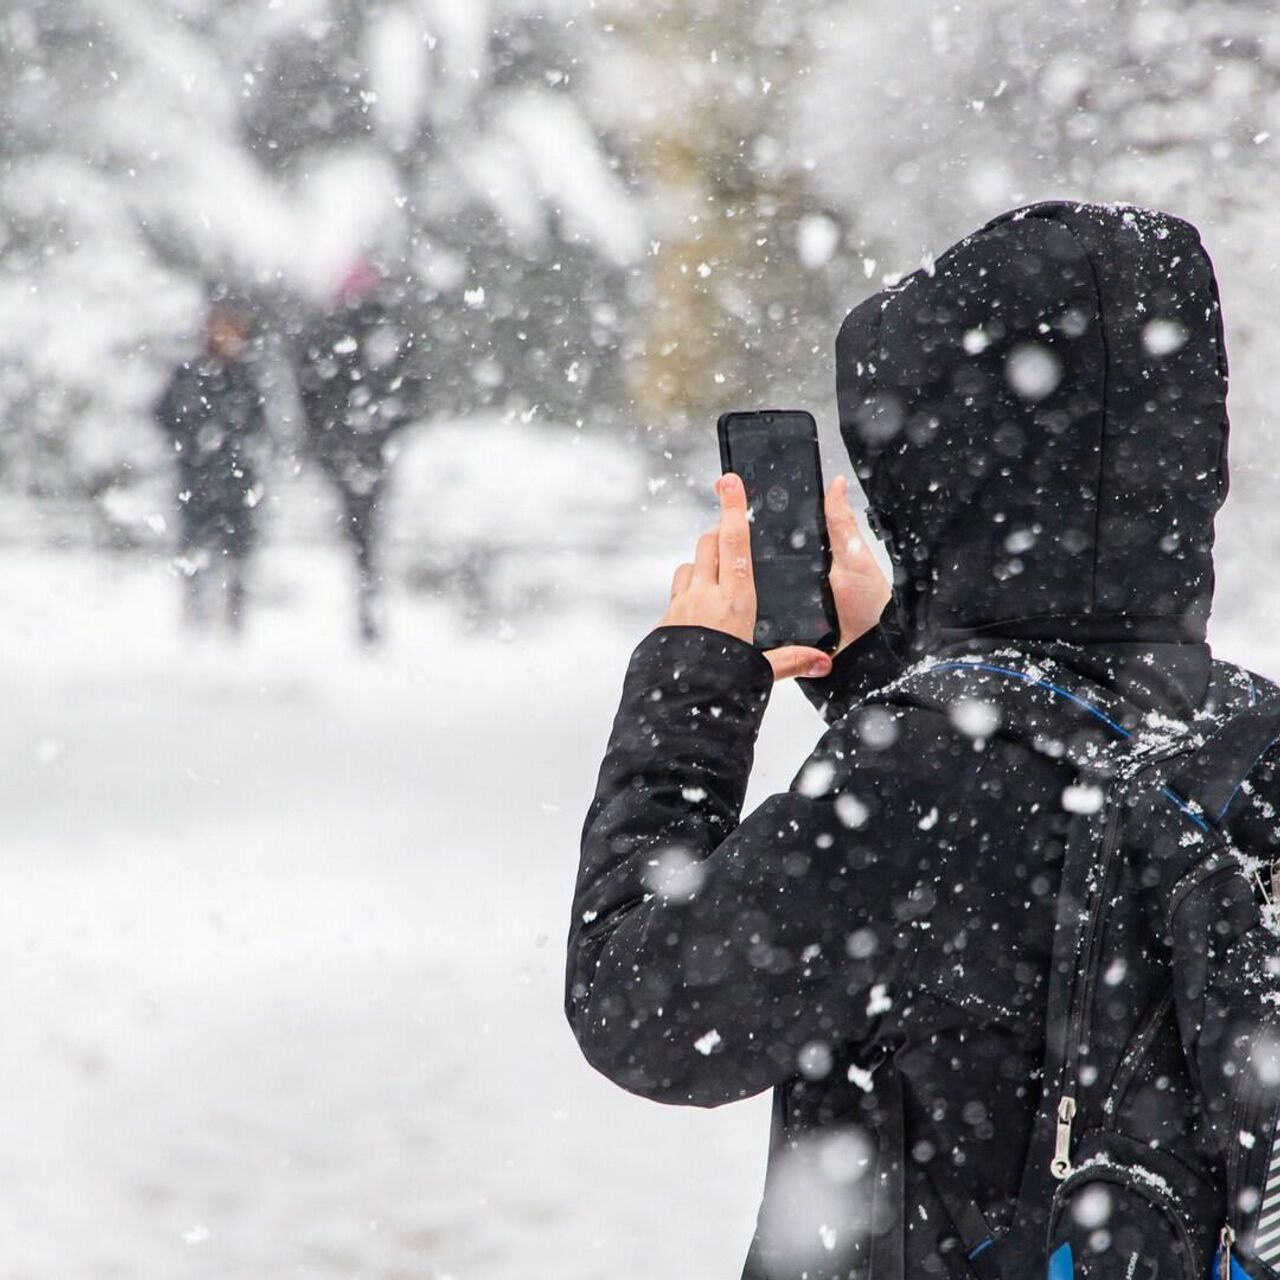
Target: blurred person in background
point(357, 394)
point(212, 412)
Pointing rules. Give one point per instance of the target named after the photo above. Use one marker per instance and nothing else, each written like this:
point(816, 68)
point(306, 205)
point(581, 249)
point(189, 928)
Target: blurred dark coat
point(1039, 423)
point(357, 391)
point(212, 412)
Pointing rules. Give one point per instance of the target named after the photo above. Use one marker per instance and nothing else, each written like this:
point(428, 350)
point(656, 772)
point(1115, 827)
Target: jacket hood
point(1039, 423)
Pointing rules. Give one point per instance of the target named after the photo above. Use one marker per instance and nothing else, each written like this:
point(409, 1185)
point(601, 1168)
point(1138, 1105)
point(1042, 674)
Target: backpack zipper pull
point(1060, 1165)
point(1226, 1238)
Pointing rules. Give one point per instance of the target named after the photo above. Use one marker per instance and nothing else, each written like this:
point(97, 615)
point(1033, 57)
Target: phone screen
point(775, 453)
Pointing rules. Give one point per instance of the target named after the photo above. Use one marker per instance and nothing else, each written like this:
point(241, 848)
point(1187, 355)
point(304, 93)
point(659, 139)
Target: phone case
point(828, 640)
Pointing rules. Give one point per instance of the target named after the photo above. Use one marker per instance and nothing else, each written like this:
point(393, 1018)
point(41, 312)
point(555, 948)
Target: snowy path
point(281, 939)
point(281, 936)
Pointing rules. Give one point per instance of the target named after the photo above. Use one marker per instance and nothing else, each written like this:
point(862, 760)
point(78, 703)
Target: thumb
point(798, 660)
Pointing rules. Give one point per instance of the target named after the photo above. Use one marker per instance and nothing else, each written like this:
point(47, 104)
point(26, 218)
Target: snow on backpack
point(1156, 1154)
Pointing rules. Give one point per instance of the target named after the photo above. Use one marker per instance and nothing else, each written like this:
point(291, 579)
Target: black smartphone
point(775, 453)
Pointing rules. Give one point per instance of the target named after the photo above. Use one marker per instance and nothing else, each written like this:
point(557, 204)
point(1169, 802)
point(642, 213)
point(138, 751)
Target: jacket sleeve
point(704, 956)
point(869, 663)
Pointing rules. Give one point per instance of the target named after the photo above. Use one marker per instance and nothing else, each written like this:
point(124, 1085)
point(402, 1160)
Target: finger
point(847, 542)
point(735, 532)
point(680, 582)
point(706, 559)
point(798, 660)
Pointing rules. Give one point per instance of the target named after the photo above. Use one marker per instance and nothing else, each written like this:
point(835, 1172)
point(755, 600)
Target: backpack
point(1155, 1153)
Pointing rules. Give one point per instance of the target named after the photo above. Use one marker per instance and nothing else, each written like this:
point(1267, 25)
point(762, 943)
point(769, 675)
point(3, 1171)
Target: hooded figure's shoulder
point(892, 743)
point(1234, 688)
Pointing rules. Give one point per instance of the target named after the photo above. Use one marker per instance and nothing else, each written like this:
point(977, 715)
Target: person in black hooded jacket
point(359, 393)
point(1039, 424)
point(213, 414)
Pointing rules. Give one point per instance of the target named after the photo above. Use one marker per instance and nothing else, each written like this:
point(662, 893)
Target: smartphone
point(775, 453)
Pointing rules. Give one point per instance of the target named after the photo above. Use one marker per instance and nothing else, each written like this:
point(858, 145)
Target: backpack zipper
point(1242, 1121)
point(1127, 1176)
point(1060, 1165)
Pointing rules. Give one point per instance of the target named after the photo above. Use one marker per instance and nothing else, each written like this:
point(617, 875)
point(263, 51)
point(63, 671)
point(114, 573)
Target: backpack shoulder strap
point(1207, 781)
point(1096, 731)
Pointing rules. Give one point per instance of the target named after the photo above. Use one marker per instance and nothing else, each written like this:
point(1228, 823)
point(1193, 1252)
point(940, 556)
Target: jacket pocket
point(1128, 1213)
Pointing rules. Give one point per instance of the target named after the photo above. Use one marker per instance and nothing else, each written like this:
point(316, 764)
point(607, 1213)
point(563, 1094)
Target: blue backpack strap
point(1061, 1263)
point(1035, 698)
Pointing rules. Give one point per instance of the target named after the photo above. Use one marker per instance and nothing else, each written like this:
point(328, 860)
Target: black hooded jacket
point(1039, 424)
point(212, 411)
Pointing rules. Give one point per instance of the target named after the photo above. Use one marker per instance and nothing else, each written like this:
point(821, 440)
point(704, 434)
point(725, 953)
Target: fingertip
point(733, 497)
point(791, 661)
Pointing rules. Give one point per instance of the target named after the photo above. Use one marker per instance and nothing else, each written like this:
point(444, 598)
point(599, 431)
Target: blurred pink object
point(359, 282)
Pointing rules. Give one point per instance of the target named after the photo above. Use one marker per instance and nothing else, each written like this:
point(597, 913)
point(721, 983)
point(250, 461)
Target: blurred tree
point(78, 286)
point(499, 214)
point(1163, 101)
point(748, 263)
point(933, 120)
point(149, 148)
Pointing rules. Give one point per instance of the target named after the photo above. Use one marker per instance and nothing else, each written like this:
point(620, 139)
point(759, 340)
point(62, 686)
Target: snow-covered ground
point(281, 936)
point(281, 941)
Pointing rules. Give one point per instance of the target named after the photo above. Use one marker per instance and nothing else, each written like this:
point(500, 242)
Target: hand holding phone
point(720, 589)
point(717, 590)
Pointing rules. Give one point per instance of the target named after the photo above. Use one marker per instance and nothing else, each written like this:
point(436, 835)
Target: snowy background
point(282, 925)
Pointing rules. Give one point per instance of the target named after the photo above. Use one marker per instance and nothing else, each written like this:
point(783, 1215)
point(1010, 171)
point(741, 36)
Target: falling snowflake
point(708, 1044)
point(1082, 797)
point(1032, 370)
